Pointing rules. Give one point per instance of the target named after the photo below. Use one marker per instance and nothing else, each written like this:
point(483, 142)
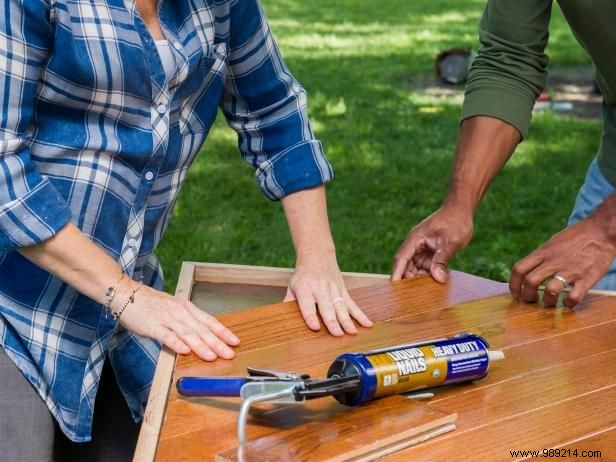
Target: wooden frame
point(191, 274)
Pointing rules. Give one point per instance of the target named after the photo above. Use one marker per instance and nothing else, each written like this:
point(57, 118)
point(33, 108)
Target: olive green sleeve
point(509, 71)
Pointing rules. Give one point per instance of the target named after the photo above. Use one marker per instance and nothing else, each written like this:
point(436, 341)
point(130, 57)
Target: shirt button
point(162, 108)
point(132, 242)
point(149, 176)
point(177, 45)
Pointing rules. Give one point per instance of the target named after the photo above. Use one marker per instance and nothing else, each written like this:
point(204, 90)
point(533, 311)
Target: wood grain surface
point(217, 288)
point(358, 434)
point(554, 389)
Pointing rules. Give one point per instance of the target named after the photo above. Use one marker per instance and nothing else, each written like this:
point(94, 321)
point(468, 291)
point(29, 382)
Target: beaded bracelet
point(131, 299)
point(111, 291)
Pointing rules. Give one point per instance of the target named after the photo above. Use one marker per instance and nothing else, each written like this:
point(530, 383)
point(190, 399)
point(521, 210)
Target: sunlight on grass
point(366, 66)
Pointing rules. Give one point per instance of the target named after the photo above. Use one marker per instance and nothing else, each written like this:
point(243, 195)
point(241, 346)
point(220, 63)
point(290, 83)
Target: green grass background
point(391, 147)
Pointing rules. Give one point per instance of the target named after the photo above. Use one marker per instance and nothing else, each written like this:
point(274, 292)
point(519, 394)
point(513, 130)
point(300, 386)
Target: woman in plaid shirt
point(105, 104)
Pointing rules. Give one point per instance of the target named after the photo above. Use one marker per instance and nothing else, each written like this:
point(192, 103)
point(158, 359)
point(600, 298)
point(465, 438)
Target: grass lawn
point(391, 147)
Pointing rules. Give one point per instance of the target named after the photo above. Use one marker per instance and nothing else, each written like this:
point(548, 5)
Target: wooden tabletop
point(555, 389)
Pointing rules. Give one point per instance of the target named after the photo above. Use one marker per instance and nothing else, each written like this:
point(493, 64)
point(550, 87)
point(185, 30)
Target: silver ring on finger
point(560, 279)
point(337, 299)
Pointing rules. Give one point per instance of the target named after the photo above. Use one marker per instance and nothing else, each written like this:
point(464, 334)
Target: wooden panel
point(358, 434)
point(254, 327)
point(557, 360)
point(319, 349)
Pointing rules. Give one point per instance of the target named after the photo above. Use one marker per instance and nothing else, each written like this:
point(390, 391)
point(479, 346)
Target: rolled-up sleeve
point(268, 109)
point(31, 209)
point(509, 71)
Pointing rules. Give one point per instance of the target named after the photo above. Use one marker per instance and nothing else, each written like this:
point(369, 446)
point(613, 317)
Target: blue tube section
point(210, 386)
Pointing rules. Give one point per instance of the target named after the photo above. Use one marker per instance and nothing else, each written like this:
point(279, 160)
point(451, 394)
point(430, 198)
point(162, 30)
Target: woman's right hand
point(175, 322)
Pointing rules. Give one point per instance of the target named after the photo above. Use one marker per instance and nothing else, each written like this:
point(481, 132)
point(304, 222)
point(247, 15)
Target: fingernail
point(228, 351)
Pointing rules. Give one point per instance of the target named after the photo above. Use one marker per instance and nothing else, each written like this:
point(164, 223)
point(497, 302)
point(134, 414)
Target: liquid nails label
point(409, 361)
point(407, 369)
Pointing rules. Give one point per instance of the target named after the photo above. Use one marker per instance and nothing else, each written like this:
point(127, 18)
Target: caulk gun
point(356, 378)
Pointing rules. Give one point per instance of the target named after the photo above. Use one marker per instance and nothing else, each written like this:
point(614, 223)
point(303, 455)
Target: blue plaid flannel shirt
point(93, 131)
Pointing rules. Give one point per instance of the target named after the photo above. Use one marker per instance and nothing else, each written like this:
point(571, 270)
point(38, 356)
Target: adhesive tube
point(410, 367)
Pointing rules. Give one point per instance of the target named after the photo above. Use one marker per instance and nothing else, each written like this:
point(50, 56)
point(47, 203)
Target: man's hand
point(430, 246)
point(484, 145)
point(318, 284)
point(580, 255)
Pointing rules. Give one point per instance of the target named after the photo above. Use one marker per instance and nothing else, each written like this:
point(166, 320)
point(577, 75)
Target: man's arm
point(484, 146)
point(505, 79)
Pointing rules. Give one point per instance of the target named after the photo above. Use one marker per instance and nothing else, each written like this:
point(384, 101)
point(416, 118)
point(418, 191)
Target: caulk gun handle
point(210, 386)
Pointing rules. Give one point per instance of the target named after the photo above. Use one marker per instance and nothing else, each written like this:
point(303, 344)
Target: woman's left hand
point(317, 284)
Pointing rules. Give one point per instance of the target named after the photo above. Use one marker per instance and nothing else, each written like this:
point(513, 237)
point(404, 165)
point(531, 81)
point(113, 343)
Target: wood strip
point(163, 377)
point(269, 276)
point(544, 427)
point(357, 434)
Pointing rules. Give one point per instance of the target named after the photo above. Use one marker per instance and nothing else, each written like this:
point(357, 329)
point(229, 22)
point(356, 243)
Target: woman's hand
point(318, 285)
point(175, 322)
